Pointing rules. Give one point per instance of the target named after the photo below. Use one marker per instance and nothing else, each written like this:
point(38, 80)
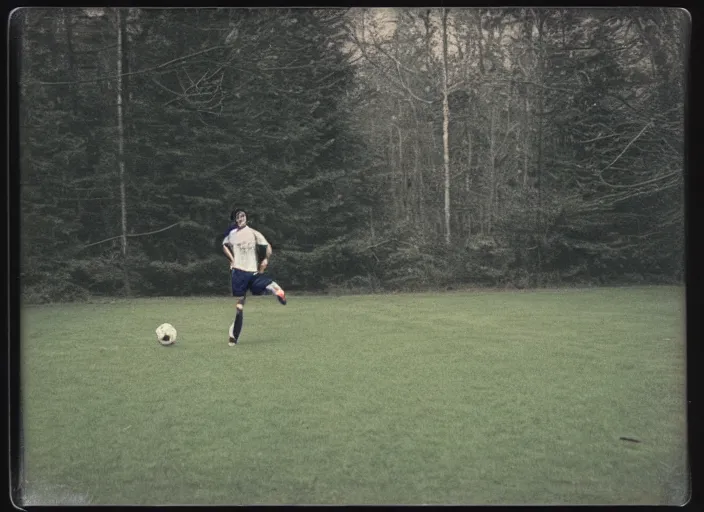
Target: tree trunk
point(418, 181)
point(121, 154)
point(402, 170)
point(432, 159)
point(446, 126)
point(480, 36)
point(401, 173)
point(467, 178)
point(492, 170)
point(68, 20)
point(392, 169)
point(526, 139)
point(417, 197)
point(371, 224)
point(541, 107)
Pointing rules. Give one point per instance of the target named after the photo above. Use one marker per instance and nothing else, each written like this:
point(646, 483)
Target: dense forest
point(376, 149)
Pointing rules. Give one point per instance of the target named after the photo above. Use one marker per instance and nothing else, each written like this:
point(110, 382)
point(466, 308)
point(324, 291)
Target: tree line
point(376, 150)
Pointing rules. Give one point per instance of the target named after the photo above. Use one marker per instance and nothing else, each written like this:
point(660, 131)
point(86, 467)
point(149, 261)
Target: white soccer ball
point(166, 334)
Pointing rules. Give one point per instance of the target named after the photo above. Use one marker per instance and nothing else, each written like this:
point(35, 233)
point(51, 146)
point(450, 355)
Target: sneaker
point(281, 296)
point(232, 342)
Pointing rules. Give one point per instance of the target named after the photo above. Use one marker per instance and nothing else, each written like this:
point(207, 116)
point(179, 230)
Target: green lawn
point(459, 398)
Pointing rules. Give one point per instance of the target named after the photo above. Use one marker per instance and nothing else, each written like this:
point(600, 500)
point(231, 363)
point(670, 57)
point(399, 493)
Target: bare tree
point(446, 126)
point(121, 150)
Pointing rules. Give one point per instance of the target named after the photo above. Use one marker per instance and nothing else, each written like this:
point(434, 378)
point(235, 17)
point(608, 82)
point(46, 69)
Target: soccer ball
point(166, 334)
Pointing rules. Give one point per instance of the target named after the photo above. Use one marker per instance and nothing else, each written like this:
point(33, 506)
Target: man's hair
point(234, 213)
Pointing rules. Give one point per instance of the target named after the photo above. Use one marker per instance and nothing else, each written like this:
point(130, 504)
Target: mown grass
point(457, 398)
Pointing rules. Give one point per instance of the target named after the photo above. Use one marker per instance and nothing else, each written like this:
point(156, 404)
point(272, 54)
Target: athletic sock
point(239, 318)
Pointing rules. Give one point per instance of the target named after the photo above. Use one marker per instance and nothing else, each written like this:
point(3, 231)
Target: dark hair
point(234, 213)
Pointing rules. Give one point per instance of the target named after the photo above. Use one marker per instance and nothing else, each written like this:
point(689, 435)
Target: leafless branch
point(383, 242)
point(601, 203)
point(643, 183)
point(600, 174)
point(131, 235)
point(141, 71)
point(398, 62)
point(165, 88)
point(408, 89)
point(600, 137)
point(362, 45)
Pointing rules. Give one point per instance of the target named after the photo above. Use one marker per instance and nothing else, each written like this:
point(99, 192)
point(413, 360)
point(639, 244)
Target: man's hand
point(264, 263)
point(232, 265)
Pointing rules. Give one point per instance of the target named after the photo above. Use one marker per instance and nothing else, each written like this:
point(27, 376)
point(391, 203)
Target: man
point(241, 245)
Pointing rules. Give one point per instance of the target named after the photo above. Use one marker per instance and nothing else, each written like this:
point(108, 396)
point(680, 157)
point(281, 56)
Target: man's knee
point(240, 306)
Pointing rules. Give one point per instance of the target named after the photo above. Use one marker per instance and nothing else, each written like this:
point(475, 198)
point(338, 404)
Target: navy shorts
point(252, 281)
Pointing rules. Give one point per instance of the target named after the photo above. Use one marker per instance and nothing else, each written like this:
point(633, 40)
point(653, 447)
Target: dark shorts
point(252, 281)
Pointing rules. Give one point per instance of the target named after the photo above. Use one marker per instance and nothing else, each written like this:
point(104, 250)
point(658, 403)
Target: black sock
point(238, 324)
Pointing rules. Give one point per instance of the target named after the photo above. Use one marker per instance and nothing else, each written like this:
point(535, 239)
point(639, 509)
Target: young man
point(241, 245)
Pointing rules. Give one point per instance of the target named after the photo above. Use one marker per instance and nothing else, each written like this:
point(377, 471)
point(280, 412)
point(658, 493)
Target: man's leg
point(275, 289)
point(263, 285)
point(240, 283)
point(239, 319)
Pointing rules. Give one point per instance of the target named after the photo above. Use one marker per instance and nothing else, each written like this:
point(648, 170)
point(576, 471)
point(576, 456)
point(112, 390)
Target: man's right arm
point(228, 253)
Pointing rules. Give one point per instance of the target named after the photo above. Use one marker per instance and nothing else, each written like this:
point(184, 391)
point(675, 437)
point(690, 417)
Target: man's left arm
point(260, 240)
point(265, 262)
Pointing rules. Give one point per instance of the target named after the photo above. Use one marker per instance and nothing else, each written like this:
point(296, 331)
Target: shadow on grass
point(258, 341)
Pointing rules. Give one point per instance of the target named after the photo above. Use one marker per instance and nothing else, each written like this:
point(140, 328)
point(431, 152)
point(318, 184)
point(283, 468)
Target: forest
point(378, 150)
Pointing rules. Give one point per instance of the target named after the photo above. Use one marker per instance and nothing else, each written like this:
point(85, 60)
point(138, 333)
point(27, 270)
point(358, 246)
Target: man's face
point(241, 219)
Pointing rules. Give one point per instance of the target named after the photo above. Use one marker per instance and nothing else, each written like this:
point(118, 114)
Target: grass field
point(458, 398)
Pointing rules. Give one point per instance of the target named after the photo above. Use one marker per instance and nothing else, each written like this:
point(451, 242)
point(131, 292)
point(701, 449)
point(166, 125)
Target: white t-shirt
point(243, 243)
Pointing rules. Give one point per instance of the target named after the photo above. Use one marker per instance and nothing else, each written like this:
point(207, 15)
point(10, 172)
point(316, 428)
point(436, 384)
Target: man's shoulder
point(258, 234)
